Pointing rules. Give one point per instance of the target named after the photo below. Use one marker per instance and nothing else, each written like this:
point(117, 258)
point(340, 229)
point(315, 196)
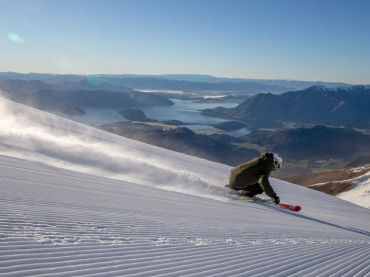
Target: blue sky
point(326, 40)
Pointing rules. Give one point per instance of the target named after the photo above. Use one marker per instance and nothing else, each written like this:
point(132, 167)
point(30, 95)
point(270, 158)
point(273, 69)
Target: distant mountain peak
point(317, 88)
point(314, 105)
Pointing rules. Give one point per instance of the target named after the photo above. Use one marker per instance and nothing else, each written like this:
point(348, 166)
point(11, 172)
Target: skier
point(252, 177)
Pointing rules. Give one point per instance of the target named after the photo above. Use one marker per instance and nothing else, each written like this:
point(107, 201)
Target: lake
point(186, 111)
point(183, 110)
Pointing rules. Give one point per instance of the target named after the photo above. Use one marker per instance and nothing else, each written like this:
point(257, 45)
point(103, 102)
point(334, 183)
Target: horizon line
point(184, 74)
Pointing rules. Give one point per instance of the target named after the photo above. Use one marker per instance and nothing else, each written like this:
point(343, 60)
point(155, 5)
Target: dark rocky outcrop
point(133, 114)
point(229, 125)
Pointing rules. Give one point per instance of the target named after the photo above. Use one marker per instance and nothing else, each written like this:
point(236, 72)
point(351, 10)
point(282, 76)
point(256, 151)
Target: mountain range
point(73, 96)
point(183, 82)
point(317, 142)
point(349, 107)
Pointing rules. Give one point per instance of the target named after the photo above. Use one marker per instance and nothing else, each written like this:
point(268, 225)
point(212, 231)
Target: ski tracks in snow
point(59, 223)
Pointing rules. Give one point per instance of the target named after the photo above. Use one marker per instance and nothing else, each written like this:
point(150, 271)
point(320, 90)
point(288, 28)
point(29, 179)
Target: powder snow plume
point(27, 133)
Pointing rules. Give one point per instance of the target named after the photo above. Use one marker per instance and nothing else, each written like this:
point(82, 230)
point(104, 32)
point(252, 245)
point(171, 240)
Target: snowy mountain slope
point(39, 136)
point(350, 184)
point(62, 216)
point(360, 194)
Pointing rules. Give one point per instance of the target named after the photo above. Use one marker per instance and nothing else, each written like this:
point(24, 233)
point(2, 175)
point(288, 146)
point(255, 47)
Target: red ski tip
point(290, 207)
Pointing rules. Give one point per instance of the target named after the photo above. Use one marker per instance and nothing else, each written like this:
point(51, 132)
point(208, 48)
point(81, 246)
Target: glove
point(277, 200)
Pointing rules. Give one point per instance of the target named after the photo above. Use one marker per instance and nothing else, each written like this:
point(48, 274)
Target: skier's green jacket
point(253, 172)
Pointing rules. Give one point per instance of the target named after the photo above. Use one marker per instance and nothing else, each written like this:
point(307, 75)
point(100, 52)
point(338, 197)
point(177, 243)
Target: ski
point(294, 208)
point(237, 195)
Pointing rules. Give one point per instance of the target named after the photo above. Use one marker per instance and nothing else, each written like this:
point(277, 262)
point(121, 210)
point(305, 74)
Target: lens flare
point(15, 38)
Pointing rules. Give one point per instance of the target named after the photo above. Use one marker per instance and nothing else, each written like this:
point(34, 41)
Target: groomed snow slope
point(62, 216)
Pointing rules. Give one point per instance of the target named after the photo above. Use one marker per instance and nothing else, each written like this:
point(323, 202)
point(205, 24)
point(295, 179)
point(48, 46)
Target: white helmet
point(278, 161)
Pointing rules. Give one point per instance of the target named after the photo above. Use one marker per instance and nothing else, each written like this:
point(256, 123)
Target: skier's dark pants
point(253, 190)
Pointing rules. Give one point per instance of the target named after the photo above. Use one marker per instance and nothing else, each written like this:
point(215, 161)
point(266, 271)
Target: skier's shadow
point(351, 229)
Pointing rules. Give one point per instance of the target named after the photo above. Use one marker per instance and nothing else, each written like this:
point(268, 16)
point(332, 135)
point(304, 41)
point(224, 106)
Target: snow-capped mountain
point(76, 201)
